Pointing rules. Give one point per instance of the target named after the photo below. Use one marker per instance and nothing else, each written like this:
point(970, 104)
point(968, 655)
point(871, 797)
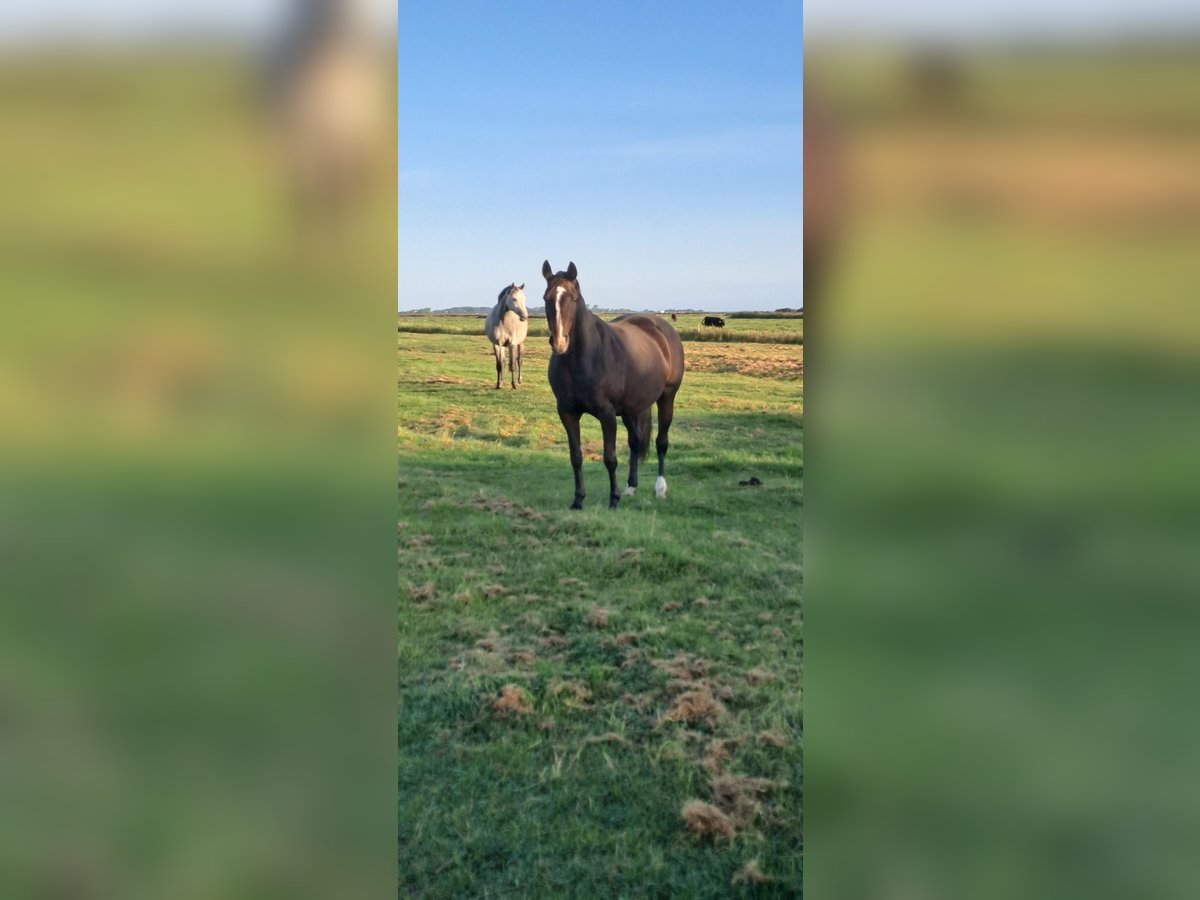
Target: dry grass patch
point(452, 422)
point(784, 362)
point(740, 797)
point(695, 706)
point(685, 671)
point(704, 820)
point(579, 695)
point(513, 700)
point(597, 616)
point(491, 643)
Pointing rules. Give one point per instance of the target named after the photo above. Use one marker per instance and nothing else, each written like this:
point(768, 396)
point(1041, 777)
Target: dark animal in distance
point(752, 482)
point(714, 322)
point(610, 370)
point(674, 318)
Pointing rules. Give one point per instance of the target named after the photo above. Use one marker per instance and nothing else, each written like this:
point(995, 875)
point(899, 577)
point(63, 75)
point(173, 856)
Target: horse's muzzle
point(559, 346)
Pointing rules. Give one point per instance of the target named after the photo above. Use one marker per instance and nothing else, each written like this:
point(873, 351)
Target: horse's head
point(513, 298)
point(563, 299)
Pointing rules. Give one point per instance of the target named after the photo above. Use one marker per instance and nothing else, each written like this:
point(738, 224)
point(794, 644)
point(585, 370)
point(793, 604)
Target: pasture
point(770, 329)
point(570, 681)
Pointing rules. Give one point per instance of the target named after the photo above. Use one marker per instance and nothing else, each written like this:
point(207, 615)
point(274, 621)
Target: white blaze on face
point(559, 339)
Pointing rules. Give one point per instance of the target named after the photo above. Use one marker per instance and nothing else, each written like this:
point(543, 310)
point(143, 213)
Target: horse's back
point(643, 333)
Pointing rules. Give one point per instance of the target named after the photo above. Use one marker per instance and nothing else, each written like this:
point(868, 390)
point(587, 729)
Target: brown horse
point(610, 370)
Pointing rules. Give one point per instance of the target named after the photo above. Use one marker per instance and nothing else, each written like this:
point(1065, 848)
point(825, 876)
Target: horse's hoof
point(630, 490)
point(578, 504)
point(613, 501)
point(660, 487)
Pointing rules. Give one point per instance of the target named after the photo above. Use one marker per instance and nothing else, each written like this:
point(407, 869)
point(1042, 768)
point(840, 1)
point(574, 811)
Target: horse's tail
point(644, 425)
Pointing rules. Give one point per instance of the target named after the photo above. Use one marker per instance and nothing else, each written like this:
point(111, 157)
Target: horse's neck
point(586, 332)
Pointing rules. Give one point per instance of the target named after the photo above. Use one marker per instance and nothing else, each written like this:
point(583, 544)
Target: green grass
point(584, 611)
point(751, 328)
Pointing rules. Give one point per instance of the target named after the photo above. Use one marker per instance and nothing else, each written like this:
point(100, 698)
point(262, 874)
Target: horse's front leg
point(512, 372)
point(571, 424)
point(499, 352)
point(635, 449)
point(608, 423)
point(520, 359)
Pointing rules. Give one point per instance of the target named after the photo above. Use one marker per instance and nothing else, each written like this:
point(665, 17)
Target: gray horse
point(508, 326)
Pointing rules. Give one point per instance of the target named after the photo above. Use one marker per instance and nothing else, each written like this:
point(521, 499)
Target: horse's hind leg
point(666, 410)
point(520, 359)
point(499, 352)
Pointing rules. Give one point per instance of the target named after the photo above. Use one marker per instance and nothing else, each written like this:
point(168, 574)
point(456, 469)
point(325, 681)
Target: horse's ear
point(547, 272)
point(522, 287)
point(572, 272)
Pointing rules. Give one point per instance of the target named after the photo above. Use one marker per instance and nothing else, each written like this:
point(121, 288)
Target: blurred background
point(1002, 223)
point(197, 254)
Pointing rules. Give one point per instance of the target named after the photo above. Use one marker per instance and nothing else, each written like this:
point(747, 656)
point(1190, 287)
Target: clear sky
point(658, 145)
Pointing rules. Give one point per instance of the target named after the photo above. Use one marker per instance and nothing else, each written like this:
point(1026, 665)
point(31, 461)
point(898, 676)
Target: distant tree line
point(785, 313)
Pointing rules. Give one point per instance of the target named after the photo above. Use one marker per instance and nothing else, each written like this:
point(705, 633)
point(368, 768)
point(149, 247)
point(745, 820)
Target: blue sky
point(658, 145)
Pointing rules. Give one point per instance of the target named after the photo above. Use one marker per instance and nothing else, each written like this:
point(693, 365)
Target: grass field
point(570, 680)
point(738, 328)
